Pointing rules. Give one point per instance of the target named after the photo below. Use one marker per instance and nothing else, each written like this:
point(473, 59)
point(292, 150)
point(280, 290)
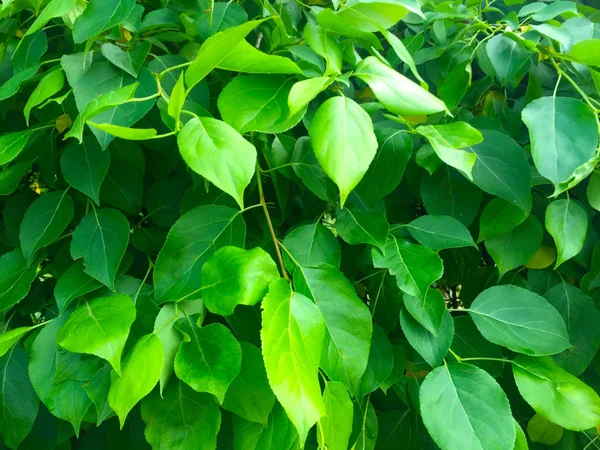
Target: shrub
point(283, 225)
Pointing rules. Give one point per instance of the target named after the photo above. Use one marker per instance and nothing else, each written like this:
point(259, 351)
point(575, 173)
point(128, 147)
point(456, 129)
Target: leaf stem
point(261, 195)
point(503, 360)
point(178, 66)
point(573, 83)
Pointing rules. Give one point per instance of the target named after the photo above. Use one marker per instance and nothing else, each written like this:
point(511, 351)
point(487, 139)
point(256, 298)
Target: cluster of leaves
point(250, 225)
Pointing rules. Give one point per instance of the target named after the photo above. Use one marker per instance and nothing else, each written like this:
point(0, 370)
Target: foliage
point(278, 224)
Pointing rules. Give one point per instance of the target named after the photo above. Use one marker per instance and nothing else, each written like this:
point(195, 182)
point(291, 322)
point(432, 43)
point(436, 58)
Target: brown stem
point(268, 217)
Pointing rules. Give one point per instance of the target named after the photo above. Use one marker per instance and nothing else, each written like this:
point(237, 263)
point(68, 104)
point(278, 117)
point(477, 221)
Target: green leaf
point(249, 395)
point(577, 310)
point(49, 85)
point(367, 436)
point(396, 92)
point(448, 140)
point(468, 343)
point(554, 9)
point(555, 394)
point(386, 170)
point(215, 49)
point(177, 99)
point(99, 16)
point(55, 8)
point(85, 166)
point(9, 338)
point(543, 431)
point(19, 401)
point(99, 327)
point(209, 358)
point(72, 284)
point(341, 133)
point(12, 86)
point(571, 140)
point(44, 221)
point(15, 277)
point(190, 243)
point(415, 267)
point(373, 15)
point(379, 366)
point(508, 256)
point(439, 232)
point(510, 61)
point(520, 320)
point(12, 144)
point(303, 92)
point(279, 434)
point(141, 370)
point(404, 55)
point(29, 51)
point(246, 58)
point(130, 61)
point(430, 312)
point(455, 85)
point(101, 240)
point(292, 334)
point(347, 320)
point(130, 134)
point(336, 423)
point(360, 227)
point(233, 276)
point(475, 405)
point(501, 169)
point(258, 103)
point(433, 349)
point(521, 441)
point(326, 45)
point(448, 193)
point(587, 52)
point(181, 418)
point(310, 245)
point(307, 168)
point(220, 154)
point(499, 217)
point(567, 223)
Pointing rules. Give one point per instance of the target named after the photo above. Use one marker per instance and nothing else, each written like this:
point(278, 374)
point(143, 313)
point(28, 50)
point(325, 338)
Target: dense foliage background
point(251, 225)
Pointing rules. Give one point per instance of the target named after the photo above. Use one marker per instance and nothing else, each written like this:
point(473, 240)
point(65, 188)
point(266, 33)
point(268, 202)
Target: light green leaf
point(55, 8)
point(336, 422)
point(396, 92)
point(99, 327)
point(209, 358)
point(360, 227)
point(19, 401)
point(402, 52)
point(15, 277)
point(292, 336)
point(373, 14)
point(528, 239)
point(519, 320)
point(312, 244)
point(554, 9)
point(141, 370)
point(587, 51)
point(510, 61)
point(342, 136)
point(247, 59)
point(220, 154)
point(555, 394)
point(177, 99)
point(130, 134)
point(475, 405)
point(44, 221)
point(215, 49)
point(190, 243)
point(521, 441)
point(49, 85)
point(578, 310)
point(448, 140)
point(499, 217)
point(502, 169)
point(249, 395)
point(543, 431)
point(258, 103)
point(100, 15)
point(101, 240)
point(347, 320)
point(11, 337)
point(415, 267)
point(130, 61)
point(439, 232)
point(181, 418)
point(564, 135)
point(430, 312)
point(234, 276)
point(326, 45)
point(567, 223)
point(433, 349)
point(302, 92)
point(12, 144)
point(85, 166)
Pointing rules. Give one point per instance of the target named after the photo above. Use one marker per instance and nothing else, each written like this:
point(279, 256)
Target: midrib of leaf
point(106, 338)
